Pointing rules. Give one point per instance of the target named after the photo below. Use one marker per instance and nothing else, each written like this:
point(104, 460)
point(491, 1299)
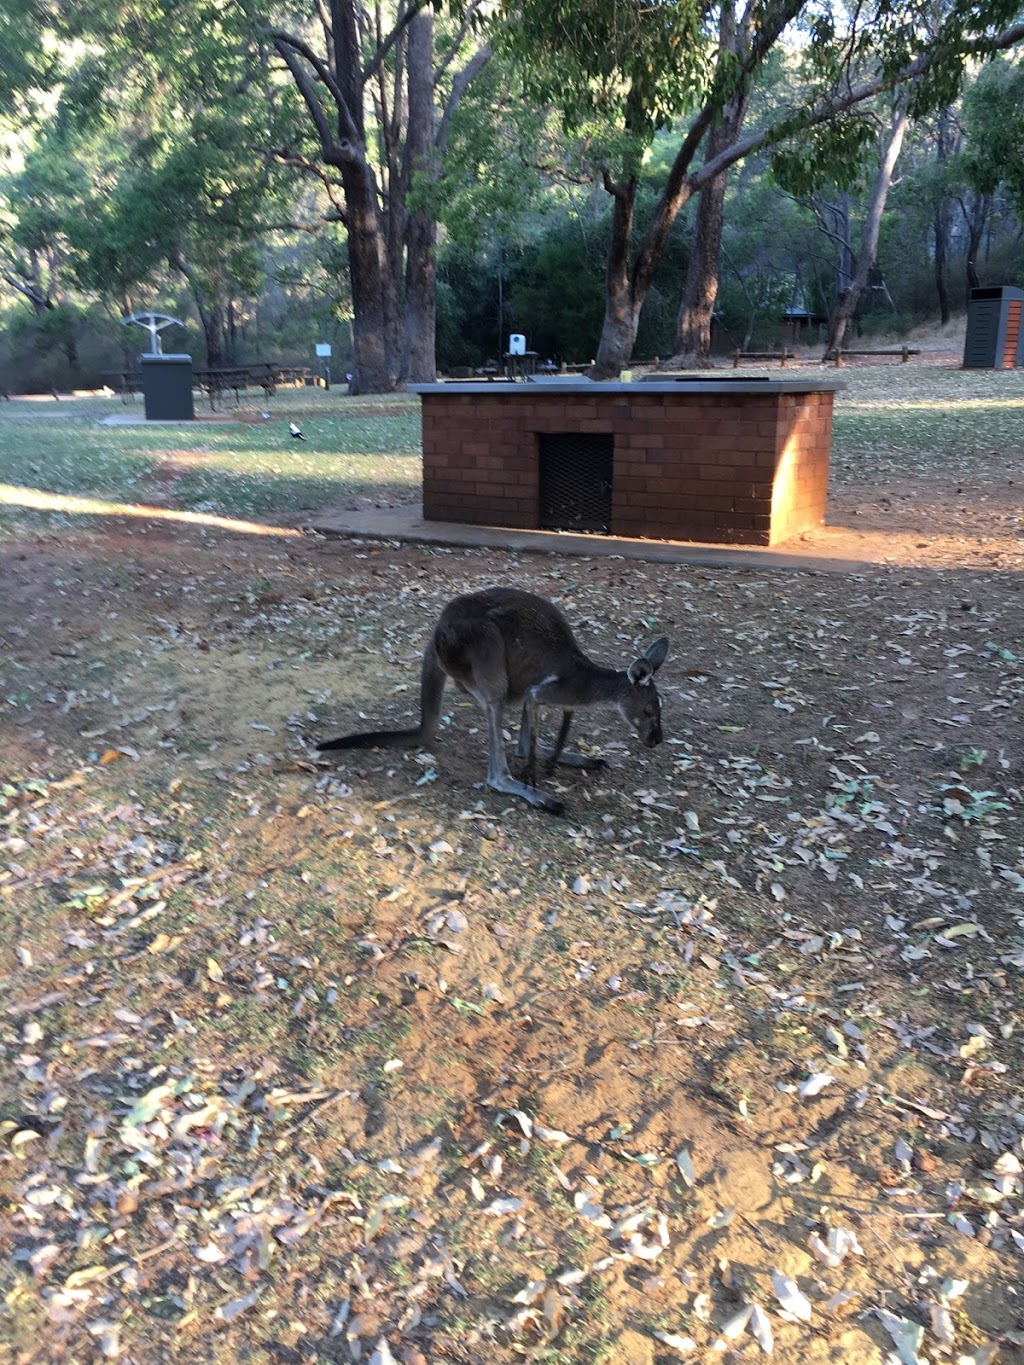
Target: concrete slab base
point(138, 419)
point(407, 524)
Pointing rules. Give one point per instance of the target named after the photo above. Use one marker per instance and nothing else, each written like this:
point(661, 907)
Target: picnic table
point(220, 379)
point(213, 382)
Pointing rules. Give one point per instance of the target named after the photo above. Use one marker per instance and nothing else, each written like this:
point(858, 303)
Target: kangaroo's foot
point(538, 799)
point(571, 758)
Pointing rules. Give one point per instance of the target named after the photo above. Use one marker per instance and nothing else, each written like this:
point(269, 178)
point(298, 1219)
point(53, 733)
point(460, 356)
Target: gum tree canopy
point(620, 70)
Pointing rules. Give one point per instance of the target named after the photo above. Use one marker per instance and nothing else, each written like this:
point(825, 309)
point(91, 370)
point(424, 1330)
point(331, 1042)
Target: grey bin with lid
point(995, 329)
point(166, 379)
point(167, 388)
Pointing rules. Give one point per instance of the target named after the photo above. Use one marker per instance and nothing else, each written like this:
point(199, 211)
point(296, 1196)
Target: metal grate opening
point(576, 481)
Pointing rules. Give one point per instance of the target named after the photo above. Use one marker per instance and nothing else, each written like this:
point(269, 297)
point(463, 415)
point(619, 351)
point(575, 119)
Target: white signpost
point(323, 350)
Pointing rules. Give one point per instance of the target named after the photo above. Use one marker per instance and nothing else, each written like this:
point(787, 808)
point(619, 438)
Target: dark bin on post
point(995, 334)
point(167, 388)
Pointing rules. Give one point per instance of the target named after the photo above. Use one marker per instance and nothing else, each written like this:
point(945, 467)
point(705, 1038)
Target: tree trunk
point(376, 325)
point(418, 357)
point(850, 297)
point(693, 325)
point(622, 308)
point(941, 229)
point(945, 145)
point(696, 311)
point(212, 315)
point(976, 220)
point(231, 333)
point(209, 310)
point(697, 306)
point(365, 70)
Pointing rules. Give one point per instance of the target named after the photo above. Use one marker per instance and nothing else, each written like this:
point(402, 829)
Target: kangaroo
point(504, 648)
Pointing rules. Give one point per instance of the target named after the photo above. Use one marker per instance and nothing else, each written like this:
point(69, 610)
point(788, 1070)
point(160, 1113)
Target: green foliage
point(619, 63)
point(556, 288)
point(994, 121)
point(552, 280)
point(832, 154)
point(29, 63)
point(42, 337)
point(492, 178)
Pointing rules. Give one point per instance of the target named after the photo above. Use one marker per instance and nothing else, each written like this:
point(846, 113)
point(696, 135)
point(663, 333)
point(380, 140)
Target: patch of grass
point(354, 450)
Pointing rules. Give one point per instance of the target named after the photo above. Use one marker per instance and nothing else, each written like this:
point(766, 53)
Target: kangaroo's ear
point(657, 653)
point(642, 670)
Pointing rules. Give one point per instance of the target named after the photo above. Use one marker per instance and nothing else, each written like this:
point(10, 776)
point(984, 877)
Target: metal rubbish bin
point(167, 388)
point(995, 336)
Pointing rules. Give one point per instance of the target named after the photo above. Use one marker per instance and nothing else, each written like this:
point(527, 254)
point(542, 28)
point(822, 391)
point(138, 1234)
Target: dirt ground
point(358, 1060)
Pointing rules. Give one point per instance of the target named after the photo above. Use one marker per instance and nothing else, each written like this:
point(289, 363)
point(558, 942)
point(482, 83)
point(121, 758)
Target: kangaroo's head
point(640, 704)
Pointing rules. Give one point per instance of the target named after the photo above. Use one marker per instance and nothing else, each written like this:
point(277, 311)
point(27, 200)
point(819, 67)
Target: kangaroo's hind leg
point(477, 663)
point(498, 775)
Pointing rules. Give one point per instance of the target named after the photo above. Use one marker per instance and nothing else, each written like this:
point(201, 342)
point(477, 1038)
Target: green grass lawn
point(354, 449)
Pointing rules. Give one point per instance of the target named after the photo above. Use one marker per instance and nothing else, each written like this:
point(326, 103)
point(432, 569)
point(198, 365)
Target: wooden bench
point(125, 383)
point(904, 353)
point(295, 375)
point(781, 356)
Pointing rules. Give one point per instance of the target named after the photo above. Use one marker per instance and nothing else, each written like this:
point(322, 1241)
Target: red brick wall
point(745, 468)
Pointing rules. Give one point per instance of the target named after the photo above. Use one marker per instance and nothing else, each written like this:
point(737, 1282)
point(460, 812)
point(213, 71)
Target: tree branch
point(456, 44)
point(828, 108)
point(303, 163)
point(405, 13)
point(38, 300)
point(460, 84)
point(291, 49)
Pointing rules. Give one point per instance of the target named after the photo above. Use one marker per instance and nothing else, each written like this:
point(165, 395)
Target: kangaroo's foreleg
point(552, 754)
point(559, 744)
point(528, 746)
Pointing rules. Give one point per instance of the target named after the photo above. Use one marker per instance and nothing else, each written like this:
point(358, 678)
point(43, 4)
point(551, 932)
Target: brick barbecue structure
point(740, 461)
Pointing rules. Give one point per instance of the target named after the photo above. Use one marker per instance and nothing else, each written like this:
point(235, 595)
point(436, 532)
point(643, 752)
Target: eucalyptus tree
point(640, 67)
point(366, 92)
point(379, 91)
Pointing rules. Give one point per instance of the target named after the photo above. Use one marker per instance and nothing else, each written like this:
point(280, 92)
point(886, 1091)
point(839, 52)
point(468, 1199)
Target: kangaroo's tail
point(374, 739)
point(432, 679)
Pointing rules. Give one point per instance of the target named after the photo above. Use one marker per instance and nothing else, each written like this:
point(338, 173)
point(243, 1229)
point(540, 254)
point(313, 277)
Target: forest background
point(411, 183)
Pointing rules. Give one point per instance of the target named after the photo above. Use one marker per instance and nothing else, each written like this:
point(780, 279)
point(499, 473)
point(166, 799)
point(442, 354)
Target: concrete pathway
point(407, 524)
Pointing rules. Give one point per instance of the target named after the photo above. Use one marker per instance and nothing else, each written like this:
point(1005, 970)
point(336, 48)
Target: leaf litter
point(296, 1053)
